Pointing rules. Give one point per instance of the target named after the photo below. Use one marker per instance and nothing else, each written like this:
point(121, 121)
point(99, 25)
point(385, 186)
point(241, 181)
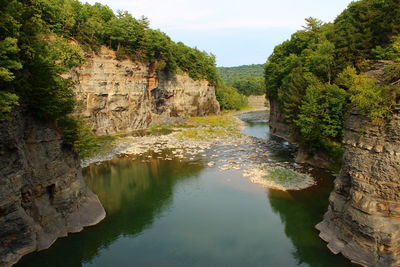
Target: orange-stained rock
point(123, 95)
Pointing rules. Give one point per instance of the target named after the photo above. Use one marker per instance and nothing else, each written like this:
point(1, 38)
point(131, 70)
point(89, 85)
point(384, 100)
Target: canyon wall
point(42, 192)
point(257, 101)
point(122, 95)
point(363, 220)
point(277, 123)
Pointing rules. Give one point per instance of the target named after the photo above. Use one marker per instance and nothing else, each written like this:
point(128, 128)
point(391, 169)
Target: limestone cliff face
point(363, 220)
point(257, 100)
point(122, 95)
point(42, 193)
point(277, 123)
point(181, 96)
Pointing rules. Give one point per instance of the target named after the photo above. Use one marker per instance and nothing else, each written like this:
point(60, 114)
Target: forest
point(230, 74)
point(247, 79)
point(317, 75)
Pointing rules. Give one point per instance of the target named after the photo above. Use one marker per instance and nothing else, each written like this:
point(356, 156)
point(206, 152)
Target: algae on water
point(279, 178)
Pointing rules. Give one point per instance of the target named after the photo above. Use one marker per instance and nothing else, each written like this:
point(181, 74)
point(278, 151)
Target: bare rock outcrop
point(123, 95)
point(42, 192)
point(363, 220)
point(277, 124)
point(181, 96)
point(257, 100)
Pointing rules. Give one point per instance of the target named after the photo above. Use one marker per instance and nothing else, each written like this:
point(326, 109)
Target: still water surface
point(172, 213)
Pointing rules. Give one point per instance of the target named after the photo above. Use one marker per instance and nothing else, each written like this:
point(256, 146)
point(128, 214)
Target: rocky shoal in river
point(250, 155)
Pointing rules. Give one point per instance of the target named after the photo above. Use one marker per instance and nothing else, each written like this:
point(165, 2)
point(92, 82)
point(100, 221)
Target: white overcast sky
point(237, 32)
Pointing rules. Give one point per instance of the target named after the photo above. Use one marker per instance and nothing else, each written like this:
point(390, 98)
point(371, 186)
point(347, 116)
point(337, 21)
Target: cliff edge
point(363, 220)
point(42, 192)
point(123, 95)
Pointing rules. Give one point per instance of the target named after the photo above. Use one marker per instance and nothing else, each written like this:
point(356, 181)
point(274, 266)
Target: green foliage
point(392, 73)
point(215, 121)
point(230, 74)
point(7, 101)
point(372, 99)
point(320, 61)
point(250, 85)
point(363, 26)
point(79, 137)
point(321, 113)
point(314, 74)
point(284, 176)
point(95, 25)
point(391, 52)
point(295, 85)
point(125, 30)
point(367, 95)
point(198, 64)
point(229, 98)
point(8, 59)
point(40, 86)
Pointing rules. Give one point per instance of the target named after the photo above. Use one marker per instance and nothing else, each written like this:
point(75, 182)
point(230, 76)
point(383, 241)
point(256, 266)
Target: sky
point(237, 32)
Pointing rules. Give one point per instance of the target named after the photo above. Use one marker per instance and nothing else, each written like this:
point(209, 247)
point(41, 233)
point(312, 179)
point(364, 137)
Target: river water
point(184, 213)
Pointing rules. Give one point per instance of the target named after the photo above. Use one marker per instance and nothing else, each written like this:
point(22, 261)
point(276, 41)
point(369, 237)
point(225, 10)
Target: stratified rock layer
point(363, 220)
point(277, 123)
point(42, 192)
point(122, 95)
point(257, 101)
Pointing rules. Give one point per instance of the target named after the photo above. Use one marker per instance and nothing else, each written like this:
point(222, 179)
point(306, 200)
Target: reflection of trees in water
point(132, 193)
point(300, 211)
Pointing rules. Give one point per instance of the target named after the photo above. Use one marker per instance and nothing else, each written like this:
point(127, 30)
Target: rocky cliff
point(277, 123)
point(122, 95)
point(42, 192)
point(257, 101)
point(363, 220)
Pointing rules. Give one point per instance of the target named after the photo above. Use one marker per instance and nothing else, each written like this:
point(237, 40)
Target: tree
point(229, 98)
point(321, 113)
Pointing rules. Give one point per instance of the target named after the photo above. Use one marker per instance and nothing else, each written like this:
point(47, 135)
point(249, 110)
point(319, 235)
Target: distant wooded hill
point(230, 74)
point(247, 79)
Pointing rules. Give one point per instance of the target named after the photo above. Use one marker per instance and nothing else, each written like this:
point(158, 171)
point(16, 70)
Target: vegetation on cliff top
point(38, 43)
point(42, 39)
point(229, 98)
point(316, 76)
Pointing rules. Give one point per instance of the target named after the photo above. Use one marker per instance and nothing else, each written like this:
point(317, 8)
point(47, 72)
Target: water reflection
point(257, 124)
point(171, 213)
point(300, 211)
point(133, 194)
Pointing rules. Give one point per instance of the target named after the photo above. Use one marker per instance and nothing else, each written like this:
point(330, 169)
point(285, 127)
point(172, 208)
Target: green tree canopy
point(315, 75)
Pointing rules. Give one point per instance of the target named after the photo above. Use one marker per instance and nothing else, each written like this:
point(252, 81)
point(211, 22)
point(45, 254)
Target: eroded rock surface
point(257, 100)
point(42, 192)
point(123, 96)
point(278, 125)
point(363, 220)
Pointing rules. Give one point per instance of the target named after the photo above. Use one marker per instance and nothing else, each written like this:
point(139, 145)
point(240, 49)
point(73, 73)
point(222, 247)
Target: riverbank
point(219, 142)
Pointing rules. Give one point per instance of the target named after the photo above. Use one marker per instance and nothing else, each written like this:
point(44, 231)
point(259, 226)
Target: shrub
point(230, 99)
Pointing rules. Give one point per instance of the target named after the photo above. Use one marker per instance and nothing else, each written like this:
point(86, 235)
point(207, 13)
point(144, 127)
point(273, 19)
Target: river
point(184, 213)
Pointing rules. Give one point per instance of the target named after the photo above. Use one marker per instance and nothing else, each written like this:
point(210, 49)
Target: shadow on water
point(299, 212)
point(133, 194)
point(257, 126)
